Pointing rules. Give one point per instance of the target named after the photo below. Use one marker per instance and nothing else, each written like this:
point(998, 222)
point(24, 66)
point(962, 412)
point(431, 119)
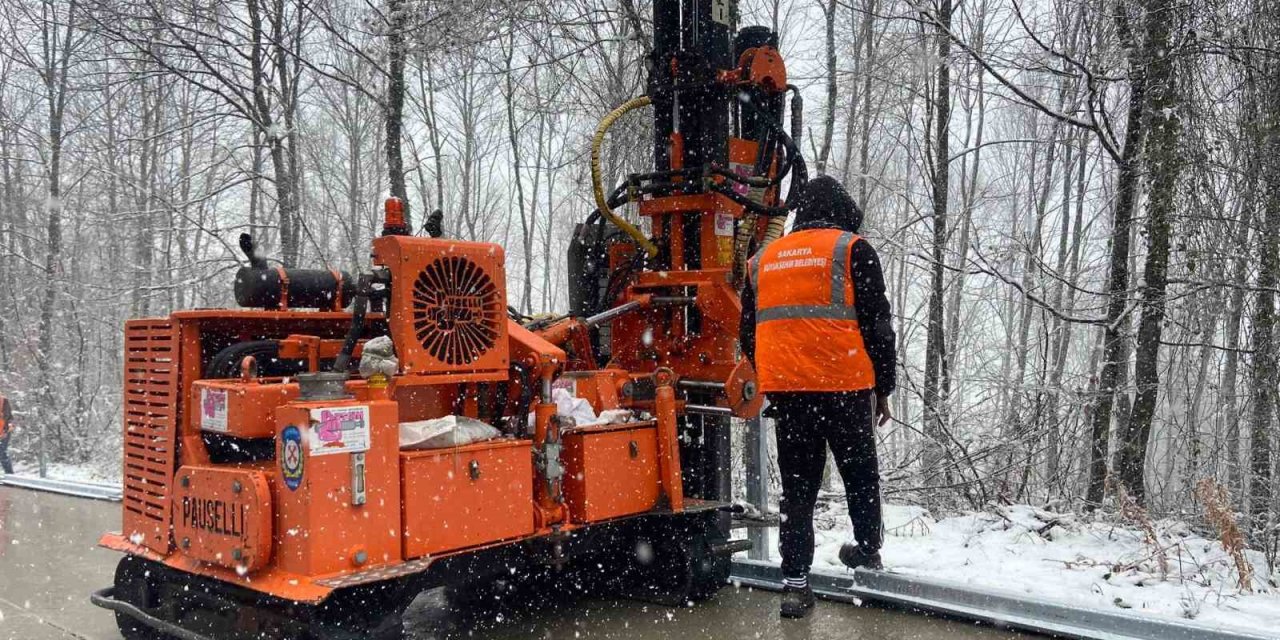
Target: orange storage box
point(466, 496)
point(244, 409)
point(610, 471)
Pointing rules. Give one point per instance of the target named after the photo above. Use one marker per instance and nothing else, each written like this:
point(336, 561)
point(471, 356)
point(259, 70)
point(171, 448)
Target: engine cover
point(448, 309)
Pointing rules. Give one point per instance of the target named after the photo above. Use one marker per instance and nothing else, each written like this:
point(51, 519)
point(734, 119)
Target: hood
point(825, 204)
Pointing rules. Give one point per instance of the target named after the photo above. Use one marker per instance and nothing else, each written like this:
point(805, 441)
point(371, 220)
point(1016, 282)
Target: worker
point(6, 430)
point(816, 324)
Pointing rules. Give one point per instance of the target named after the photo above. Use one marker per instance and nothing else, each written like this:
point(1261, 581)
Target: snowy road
point(49, 563)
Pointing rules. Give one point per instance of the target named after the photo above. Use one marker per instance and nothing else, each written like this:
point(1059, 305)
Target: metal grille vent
point(457, 315)
point(151, 392)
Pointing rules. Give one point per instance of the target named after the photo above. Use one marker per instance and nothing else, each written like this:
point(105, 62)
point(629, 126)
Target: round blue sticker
point(291, 457)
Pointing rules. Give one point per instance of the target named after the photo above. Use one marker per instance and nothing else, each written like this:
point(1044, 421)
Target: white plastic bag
point(441, 433)
point(570, 406)
point(578, 412)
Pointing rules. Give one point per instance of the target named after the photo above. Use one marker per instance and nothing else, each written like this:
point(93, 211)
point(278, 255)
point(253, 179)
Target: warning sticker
point(338, 430)
point(213, 410)
point(724, 224)
point(567, 383)
point(742, 169)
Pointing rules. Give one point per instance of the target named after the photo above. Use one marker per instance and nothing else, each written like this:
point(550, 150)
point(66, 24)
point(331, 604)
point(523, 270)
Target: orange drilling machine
point(267, 494)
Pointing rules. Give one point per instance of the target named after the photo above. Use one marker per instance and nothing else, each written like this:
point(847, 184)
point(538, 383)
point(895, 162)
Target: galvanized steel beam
point(66, 487)
point(998, 608)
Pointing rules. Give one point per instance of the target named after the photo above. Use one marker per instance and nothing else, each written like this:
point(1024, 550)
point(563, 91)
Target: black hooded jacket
point(826, 205)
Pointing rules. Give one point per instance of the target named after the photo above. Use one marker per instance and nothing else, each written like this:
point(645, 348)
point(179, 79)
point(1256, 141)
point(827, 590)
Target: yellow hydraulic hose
point(598, 185)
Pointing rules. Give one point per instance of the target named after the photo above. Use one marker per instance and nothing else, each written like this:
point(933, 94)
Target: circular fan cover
point(456, 313)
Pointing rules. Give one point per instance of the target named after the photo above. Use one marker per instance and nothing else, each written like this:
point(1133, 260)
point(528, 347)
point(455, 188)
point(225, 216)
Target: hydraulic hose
point(597, 181)
point(358, 309)
point(797, 113)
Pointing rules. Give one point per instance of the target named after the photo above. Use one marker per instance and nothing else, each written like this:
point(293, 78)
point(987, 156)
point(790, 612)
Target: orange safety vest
point(807, 334)
point(4, 424)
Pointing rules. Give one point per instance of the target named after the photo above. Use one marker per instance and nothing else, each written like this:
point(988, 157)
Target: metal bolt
point(186, 481)
point(236, 487)
point(186, 543)
point(237, 554)
point(361, 557)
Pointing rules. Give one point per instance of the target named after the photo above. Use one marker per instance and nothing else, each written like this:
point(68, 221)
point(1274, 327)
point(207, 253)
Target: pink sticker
point(339, 430)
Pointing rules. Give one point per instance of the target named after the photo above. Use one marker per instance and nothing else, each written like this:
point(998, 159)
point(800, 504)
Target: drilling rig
point(267, 494)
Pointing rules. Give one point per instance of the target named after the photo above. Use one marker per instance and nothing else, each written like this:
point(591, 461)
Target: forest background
point(1077, 203)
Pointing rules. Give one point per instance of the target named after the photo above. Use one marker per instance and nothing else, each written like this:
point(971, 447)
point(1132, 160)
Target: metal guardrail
point(66, 487)
point(991, 606)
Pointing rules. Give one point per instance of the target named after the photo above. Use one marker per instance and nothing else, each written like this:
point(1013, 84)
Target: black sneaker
point(854, 557)
point(797, 602)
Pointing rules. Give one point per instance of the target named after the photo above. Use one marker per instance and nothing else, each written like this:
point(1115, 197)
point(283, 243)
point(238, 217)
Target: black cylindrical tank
point(306, 288)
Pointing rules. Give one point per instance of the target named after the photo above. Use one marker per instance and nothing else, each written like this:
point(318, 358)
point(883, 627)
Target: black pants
point(4, 454)
point(807, 424)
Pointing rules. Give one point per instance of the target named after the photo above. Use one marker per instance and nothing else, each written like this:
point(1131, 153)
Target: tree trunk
point(1118, 275)
point(829, 122)
point(286, 205)
point(57, 60)
point(1249, 190)
point(513, 137)
point(1265, 367)
point(394, 107)
point(1164, 163)
point(934, 404)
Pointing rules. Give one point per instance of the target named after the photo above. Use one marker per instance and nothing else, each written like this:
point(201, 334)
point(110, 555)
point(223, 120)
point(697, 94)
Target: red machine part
point(223, 517)
point(612, 471)
point(448, 309)
point(332, 517)
point(238, 408)
point(467, 496)
point(759, 66)
point(357, 512)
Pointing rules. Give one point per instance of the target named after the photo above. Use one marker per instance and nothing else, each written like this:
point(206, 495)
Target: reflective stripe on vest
point(840, 269)
point(799, 311)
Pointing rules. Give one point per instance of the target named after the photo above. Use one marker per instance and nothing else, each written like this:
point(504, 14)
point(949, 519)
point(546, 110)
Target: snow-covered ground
point(1098, 564)
point(105, 473)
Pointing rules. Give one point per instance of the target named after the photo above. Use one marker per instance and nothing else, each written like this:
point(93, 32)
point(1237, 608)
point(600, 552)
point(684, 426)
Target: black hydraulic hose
point(673, 173)
point(797, 113)
point(797, 184)
point(793, 150)
point(226, 363)
point(794, 158)
point(523, 405)
point(500, 397)
point(106, 598)
point(752, 205)
point(358, 308)
point(621, 194)
point(800, 173)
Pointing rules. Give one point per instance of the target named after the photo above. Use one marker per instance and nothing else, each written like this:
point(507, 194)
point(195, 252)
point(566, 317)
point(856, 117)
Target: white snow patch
point(1069, 559)
point(107, 472)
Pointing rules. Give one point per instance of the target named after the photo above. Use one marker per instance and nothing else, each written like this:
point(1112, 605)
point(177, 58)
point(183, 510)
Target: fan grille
point(456, 311)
